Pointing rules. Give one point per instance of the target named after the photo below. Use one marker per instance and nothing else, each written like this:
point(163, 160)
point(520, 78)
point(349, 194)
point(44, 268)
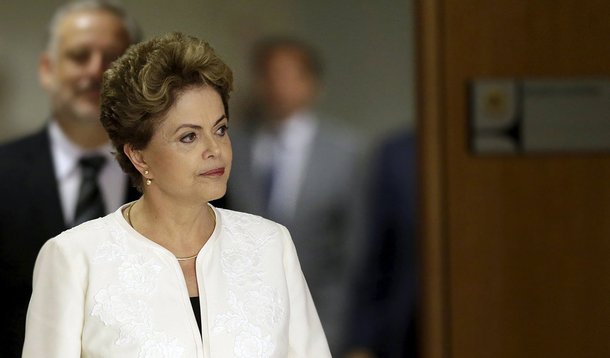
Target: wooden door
point(516, 249)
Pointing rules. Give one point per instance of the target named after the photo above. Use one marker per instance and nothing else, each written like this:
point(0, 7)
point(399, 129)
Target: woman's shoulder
point(85, 235)
point(239, 218)
point(250, 226)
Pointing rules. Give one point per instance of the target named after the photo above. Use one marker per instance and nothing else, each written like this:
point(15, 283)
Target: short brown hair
point(143, 84)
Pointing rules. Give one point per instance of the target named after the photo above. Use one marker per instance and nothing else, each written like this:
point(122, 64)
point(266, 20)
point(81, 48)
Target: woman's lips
point(214, 172)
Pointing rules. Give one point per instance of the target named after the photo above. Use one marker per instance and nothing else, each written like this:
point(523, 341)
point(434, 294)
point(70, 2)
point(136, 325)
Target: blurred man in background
point(65, 173)
point(293, 166)
point(382, 319)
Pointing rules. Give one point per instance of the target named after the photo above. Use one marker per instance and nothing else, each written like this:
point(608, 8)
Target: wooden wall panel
point(433, 306)
point(527, 237)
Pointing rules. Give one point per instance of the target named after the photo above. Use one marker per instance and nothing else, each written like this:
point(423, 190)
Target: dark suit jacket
point(30, 213)
point(383, 313)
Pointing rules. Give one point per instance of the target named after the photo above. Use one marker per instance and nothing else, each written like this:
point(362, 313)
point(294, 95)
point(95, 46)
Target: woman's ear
point(136, 157)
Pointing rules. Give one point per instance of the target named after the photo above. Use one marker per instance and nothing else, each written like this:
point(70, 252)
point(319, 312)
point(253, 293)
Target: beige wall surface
point(366, 46)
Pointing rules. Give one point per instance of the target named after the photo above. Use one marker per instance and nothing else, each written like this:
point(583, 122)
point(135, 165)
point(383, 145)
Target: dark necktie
point(268, 183)
point(90, 204)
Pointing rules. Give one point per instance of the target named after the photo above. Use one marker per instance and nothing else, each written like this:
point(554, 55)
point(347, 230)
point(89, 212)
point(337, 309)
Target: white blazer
point(103, 290)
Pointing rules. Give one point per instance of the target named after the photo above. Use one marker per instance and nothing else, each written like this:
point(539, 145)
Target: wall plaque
point(539, 116)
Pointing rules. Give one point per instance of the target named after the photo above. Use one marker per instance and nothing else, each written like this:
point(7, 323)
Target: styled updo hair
point(141, 86)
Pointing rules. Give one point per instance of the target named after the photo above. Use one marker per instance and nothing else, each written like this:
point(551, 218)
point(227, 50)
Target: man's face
point(87, 42)
point(287, 86)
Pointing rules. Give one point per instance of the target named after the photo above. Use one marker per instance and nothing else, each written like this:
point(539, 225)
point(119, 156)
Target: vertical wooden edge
point(433, 281)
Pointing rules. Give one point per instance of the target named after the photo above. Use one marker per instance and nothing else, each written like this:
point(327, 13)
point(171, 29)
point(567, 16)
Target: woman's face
point(189, 155)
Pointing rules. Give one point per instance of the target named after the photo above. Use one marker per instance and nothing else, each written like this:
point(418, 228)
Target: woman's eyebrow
point(220, 119)
point(187, 125)
point(196, 126)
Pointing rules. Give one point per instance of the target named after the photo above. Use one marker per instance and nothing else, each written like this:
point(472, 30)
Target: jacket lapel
point(43, 192)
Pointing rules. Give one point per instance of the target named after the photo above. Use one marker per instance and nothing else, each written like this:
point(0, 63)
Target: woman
point(119, 286)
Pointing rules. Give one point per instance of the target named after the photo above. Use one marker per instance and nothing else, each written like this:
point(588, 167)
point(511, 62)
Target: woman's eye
point(189, 138)
point(222, 130)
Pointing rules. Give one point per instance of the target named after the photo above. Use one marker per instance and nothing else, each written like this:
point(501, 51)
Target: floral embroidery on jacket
point(254, 308)
point(125, 303)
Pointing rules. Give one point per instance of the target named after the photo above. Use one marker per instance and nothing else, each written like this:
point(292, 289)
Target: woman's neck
point(182, 228)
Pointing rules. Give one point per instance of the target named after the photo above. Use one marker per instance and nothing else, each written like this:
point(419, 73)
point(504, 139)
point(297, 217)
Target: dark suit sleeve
point(30, 214)
point(383, 288)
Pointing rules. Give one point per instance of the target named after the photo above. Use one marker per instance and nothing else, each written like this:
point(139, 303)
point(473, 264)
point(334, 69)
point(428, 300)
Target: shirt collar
point(296, 130)
point(66, 153)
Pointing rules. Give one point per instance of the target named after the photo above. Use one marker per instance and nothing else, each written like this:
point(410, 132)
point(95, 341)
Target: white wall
point(367, 48)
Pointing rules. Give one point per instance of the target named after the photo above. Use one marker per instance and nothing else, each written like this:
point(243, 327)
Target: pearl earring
point(148, 181)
